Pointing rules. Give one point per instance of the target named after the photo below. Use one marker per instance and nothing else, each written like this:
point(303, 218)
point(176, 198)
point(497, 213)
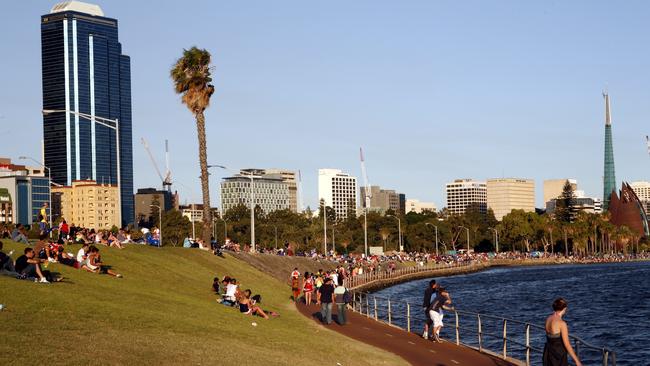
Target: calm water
point(609, 305)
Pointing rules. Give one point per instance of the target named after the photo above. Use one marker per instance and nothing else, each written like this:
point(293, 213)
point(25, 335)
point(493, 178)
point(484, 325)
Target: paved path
point(409, 346)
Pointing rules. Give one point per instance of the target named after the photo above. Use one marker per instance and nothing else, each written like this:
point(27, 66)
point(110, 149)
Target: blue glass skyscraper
point(85, 71)
point(609, 177)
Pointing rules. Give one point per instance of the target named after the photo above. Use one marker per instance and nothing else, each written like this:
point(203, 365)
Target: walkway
point(409, 346)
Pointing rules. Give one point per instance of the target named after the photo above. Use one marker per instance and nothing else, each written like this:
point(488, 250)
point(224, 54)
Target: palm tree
point(191, 77)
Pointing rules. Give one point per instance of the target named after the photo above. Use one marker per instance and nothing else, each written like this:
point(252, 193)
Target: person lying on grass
point(65, 258)
point(93, 263)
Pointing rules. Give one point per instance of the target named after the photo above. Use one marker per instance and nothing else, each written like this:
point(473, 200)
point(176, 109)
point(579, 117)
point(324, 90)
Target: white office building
point(642, 190)
point(417, 206)
point(270, 191)
point(462, 193)
point(338, 190)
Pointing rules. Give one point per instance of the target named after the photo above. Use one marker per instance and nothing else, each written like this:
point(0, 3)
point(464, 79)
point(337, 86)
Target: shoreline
point(384, 283)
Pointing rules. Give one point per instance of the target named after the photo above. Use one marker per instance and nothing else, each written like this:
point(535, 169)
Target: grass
point(162, 312)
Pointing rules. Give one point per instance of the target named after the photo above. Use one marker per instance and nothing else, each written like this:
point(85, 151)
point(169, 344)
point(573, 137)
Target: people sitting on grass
point(247, 306)
point(19, 235)
point(230, 297)
point(28, 266)
point(64, 258)
point(93, 263)
point(6, 263)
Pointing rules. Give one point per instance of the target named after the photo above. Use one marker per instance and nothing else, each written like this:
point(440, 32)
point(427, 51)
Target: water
point(609, 305)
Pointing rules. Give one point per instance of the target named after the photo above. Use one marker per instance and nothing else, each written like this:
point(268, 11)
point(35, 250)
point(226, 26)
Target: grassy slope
point(162, 312)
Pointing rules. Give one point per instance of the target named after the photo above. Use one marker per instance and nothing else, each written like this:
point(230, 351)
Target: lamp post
point(430, 224)
point(463, 227)
point(225, 229)
point(496, 237)
point(104, 122)
point(49, 189)
point(160, 224)
point(251, 176)
point(324, 229)
point(399, 231)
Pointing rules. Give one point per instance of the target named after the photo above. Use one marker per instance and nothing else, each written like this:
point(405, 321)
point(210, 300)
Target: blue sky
point(433, 90)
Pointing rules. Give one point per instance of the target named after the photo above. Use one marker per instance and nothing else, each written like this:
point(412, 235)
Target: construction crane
point(647, 142)
point(167, 179)
point(366, 198)
point(300, 208)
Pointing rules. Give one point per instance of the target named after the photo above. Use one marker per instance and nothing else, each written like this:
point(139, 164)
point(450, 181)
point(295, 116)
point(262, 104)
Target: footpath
point(411, 347)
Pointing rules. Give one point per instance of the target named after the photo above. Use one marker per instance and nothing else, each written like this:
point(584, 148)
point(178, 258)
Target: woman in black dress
point(558, 347)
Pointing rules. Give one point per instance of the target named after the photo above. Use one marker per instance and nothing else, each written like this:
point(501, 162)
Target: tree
point(565, 204)
point(153, 212)
point(192, 79)
point(176, 227)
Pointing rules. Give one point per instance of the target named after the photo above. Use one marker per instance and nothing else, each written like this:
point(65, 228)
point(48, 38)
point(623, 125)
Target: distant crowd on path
point(231, 295)
point(329, 289)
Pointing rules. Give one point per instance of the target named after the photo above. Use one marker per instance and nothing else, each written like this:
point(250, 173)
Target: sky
point(432, 90)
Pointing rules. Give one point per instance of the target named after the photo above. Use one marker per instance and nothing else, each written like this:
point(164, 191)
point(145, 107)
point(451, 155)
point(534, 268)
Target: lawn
point(162, 312)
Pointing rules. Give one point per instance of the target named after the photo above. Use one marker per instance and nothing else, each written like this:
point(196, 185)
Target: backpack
point(347, 296)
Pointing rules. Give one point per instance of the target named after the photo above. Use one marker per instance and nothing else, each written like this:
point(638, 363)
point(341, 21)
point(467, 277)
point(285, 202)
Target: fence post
point(527, 344)
point(605, 357)
point(457, 329)
point(505, 339)
point(375, 298)
point(408, 317)
point(480, 333)
point(367, 307)
point(390, 318)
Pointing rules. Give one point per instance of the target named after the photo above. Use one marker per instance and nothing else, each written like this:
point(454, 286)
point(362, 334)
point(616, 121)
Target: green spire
point(609, 178)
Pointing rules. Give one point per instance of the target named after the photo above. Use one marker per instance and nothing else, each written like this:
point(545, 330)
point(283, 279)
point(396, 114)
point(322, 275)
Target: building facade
point(413, 205)
point(582, 203)
point(145, 197)
point(290, 178)
point(338, 190)
point(270, 191)
point(642, 190)
point(382, 200)
point(89, 204)
point(463, 193)
point(25, 191)
point(553, 188)
point(507, 194)
point(85, 71)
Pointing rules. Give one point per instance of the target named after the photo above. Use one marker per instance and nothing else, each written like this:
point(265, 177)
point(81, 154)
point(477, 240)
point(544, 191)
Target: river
point(609, 305)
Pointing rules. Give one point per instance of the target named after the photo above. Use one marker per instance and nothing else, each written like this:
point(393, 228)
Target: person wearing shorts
point(440, 302)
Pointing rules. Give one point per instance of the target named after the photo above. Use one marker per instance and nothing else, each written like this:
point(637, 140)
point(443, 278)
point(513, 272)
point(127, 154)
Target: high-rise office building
point(270, 191)
point(463, 193)
point(338, 190)
point(507, 194)
point(642, 190)
point(609, 178)
point(23, 192)
point(553, 188)
point(145, 197)
point(84, 71)
point(89, 204)
point(382, 200)
point(289, 177)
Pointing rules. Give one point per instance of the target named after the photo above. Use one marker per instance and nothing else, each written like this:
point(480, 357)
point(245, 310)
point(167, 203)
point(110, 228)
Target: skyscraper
point(464, 193)
point(84, 71)
point(507, 194)
point(609, 178)
point(338, 190)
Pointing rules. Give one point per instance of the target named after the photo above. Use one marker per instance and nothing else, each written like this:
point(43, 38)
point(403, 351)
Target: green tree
point(175, 227)
point(565, 204)
point(192, 79)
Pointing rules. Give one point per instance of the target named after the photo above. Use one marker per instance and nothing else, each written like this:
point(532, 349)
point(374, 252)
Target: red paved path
point(409, 346)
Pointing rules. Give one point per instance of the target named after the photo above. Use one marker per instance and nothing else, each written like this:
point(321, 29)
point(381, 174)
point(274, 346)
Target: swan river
point(609, 306)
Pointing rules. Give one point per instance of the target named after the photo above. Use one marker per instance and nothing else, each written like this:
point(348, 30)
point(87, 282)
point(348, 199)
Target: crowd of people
point(229, 294)
point(326, 289)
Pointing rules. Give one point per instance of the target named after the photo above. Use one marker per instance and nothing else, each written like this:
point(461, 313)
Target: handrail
point(507, 336)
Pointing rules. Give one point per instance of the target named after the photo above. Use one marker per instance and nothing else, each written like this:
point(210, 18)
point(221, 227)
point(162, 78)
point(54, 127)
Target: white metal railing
point(504, 337)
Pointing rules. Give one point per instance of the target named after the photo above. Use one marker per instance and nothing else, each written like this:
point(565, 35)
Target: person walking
point(441, 301)
point(558, 345)
point(339, 295)
point(325, 300)
point(295, 285)
point(426, 302)
point(308, 287)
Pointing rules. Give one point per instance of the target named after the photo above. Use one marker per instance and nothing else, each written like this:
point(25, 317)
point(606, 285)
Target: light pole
point(104, 122)
point(430, 224)
point(160, 224)
point(225, 229)
point(49, 177)
point(251, 176)
point(399, 231)
point(324, 229)
point(463, 227)
point(496, 237)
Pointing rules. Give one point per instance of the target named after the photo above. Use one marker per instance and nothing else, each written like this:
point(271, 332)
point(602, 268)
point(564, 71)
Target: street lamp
point(251, 176)
point(225, 229)
point(160, 224)
point(49, 177)
point(324, 229)
point(463, 227)
point(496, 237)
point(430, 224)
point(104, 122)
point(399, 231)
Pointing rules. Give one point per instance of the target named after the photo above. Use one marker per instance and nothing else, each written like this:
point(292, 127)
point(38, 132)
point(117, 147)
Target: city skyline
point(424, 95)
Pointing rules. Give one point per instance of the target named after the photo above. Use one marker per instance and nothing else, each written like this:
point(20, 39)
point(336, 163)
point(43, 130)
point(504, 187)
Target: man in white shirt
point(81, 254)
point(231, 292)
